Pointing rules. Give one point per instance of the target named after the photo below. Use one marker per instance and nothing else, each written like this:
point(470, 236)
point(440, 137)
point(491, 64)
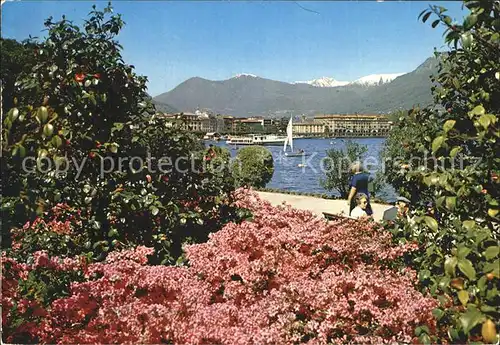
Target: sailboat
point(289, 141)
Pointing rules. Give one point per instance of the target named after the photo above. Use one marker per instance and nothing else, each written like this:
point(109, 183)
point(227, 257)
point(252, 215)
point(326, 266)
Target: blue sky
point(172, 41)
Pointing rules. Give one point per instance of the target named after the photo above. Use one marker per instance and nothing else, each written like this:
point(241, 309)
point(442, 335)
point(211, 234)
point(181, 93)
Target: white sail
point(289, 135)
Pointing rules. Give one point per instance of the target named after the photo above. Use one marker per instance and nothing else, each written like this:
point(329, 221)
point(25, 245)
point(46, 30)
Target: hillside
point(247, 95)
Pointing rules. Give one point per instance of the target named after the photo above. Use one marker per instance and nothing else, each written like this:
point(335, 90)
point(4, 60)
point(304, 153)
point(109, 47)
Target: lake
point(289, 176)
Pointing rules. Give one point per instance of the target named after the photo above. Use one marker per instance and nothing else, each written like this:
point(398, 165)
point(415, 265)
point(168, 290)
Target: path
point(317, 205)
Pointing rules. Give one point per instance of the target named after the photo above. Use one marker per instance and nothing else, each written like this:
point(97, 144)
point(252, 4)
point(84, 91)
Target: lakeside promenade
point(317, 205)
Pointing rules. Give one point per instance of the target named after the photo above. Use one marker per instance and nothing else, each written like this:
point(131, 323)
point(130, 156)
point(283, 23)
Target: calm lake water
point(288, 175)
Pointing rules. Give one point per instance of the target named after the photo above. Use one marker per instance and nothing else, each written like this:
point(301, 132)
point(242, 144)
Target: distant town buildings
point(309, 128)
point(336, 125)
point(363, 125)
point(196, 122)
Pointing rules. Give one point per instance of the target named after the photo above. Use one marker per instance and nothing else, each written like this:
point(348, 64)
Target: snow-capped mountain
point(251, 96)
point(369, 80)
point(323, 82)
point(376, 79)
point(245, 75)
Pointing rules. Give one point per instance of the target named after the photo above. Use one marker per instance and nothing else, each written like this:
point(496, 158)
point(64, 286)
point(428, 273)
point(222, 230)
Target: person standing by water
point(359, 184)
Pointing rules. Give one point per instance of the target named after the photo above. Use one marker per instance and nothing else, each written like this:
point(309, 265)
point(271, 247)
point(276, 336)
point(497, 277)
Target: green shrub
point(253, 166)
point(450, 157)
point(337, 167)
point(83, 103)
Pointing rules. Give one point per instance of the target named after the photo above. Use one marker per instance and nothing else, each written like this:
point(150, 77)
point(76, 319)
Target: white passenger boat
point(256, 139)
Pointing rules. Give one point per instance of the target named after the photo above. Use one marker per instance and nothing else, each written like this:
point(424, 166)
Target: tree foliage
point(82, 104)
point(450, 157)
point(16, 58)
point(253, 167)
point(338, 166)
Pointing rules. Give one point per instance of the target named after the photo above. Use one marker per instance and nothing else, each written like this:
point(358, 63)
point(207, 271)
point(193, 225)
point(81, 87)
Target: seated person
point(403, 205)
point(361, 205)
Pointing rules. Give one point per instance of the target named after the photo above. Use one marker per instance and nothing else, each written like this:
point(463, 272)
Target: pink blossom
point(285, 277)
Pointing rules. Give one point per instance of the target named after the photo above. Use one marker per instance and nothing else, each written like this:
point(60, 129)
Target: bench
point(333, 216)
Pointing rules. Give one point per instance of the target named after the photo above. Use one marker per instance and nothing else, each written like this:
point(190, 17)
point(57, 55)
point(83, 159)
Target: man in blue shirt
point(359, 184)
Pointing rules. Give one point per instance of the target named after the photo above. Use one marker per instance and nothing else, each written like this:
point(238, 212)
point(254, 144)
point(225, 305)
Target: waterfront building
point(248, 124)
point(195, 122)
point(309, 128)
point(356, 125)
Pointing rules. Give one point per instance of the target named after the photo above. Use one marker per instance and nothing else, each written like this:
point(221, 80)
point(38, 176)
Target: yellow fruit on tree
point(489, 332)
point(492, 212)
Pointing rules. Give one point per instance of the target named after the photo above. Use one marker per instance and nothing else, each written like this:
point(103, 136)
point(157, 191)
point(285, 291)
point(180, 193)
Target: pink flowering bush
point(284, 277)
point(59, 232)
point(29, 288)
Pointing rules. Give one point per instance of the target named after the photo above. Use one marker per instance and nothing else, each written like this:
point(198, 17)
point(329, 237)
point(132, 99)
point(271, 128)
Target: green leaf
point(496, 23)
point(481, 283)
point(438, 313)
point(424, 275)
point(154, 210)
point(426, 16)
point(424, 339)
point(488, 309)
point(454, 152)
point(448, 125)
point(463, 297)
point(421, 330)
point(493, 202)
point(463, 251)
point(469, 224)
point(485, 120)
point(431, 223)
point(491, 252)
point(435, 23)
point(467, 268)
point(470, 319)
point(451, 202)
point(466, 39)
point(445, 281)
point(22, 151)
point(437, 143)
point(492, 294)
point(92, 99)
point(56, 141)
point(422, 13)
point(470, 21)
point(440, 201)
point(449, 265)
point(478, 110)
point(453, 333)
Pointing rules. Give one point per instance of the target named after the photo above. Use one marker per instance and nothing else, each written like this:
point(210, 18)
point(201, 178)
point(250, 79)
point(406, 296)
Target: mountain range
point(369, 80)
point(250, 95)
